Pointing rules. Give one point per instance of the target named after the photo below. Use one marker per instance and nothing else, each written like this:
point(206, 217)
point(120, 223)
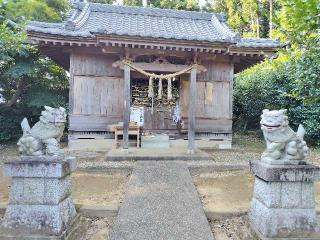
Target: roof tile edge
point(75, 23)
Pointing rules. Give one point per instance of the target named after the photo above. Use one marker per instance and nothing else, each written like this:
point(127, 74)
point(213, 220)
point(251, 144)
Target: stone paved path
point(161, 203)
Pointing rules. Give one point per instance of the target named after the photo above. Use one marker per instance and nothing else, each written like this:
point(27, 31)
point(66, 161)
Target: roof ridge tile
point(150, 11)
point(75, 22)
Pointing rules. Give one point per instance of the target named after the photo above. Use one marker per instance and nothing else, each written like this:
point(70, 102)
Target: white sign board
point(137, 115)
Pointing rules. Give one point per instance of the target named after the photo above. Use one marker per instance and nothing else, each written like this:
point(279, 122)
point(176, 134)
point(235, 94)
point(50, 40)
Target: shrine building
point(147, 75)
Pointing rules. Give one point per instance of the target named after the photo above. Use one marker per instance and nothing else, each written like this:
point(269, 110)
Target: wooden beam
point(126, 110)
point(160, 67)
point(192, 112)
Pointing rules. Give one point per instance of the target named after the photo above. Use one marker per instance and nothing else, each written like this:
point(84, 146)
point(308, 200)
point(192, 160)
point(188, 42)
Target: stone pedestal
point(40, 200)
point(283, 204)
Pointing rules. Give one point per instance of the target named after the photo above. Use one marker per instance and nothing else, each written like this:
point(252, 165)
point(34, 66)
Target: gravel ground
point(92, 229)
point(233, 228)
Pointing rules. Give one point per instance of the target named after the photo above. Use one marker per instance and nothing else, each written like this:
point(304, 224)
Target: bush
point(292, 84)
point(10, 120)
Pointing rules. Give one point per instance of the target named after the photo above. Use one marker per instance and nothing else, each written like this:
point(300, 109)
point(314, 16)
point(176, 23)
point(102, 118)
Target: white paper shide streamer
point(160, 89)
point(150, 89)
point(169, 95)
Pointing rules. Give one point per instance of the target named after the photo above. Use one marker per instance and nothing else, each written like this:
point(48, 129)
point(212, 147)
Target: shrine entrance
point(160, 115)
point(149, 70)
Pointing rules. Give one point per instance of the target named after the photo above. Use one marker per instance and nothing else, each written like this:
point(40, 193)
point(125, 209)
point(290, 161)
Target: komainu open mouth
point(271, 126)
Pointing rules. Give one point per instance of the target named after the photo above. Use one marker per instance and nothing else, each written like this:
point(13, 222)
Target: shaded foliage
point(10, 119)
point(292, 84)
point(40, 10)
point(292, 81)
point(28, 81)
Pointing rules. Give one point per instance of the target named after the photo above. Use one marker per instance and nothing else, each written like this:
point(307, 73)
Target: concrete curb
point(194, 168)
point(223, 215)
point(110, 211)
point(108, 170)
point(98, 211)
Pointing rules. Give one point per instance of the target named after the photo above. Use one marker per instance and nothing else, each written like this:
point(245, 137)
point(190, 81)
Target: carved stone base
point(283, 161)
point(40, 196)
point(283, 204)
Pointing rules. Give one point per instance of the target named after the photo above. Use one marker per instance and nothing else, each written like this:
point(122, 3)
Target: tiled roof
point(90, 19)
point(258, 42)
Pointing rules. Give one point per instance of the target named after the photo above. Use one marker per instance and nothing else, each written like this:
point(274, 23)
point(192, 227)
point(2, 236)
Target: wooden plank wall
point(95, 65)
point(158, 120)
point(97, 92)
point(214, 97)
point(98, 96)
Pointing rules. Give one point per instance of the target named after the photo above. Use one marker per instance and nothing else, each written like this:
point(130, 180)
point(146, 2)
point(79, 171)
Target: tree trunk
point(258, 27)
point(270, 18)
point(20, 87)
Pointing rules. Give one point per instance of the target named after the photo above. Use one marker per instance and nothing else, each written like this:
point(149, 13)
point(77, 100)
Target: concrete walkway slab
point(161, 203)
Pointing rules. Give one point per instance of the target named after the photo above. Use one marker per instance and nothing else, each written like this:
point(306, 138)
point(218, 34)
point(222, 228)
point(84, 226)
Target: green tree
point(27, 82)
point(299, 20)
point(171, 4)
point(40, 10)
point(251, 18)
point(102, 1)
point(25, 76)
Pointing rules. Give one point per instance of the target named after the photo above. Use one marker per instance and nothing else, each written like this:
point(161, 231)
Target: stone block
point(307, 195)
point(40, 219)
point(17, 190)
point(39, 190)
point(291, 194)
point(56, 189)
point(40, 198)
point(276, 223)
point(39, 167)
point(283, 205)
point(33, 190)
point(285, 173)
point(269, 193)
point(155, 141)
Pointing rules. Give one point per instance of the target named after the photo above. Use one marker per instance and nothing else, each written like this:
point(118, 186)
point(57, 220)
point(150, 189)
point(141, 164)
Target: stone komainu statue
point(44, 136)
point(284, 146)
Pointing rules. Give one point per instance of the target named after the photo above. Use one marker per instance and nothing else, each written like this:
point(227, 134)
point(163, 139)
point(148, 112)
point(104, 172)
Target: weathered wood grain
point(98, 96)
point(92, 122)
point(191, 109)
point(126, 107)
point(95, 65)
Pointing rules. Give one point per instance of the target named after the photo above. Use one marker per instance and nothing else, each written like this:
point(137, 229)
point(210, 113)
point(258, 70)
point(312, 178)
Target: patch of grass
point(8, 152)
point(250, 141)
point(314, 156)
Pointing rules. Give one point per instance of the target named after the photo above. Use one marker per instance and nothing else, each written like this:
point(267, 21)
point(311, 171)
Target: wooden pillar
point(192, 112)
point(126, 109)
point(71, 84)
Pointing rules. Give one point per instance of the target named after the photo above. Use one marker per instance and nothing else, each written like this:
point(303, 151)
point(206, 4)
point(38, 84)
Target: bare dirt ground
point(87, 188)
point(92, 229)
point(225, 191)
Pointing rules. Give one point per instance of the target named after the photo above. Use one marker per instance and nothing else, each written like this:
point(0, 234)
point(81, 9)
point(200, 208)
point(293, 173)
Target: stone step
point(161, 203)
point(155, 154)
point(155, 141)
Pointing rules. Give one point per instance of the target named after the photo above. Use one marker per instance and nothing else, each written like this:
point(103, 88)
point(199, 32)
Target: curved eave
point(54, 46)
